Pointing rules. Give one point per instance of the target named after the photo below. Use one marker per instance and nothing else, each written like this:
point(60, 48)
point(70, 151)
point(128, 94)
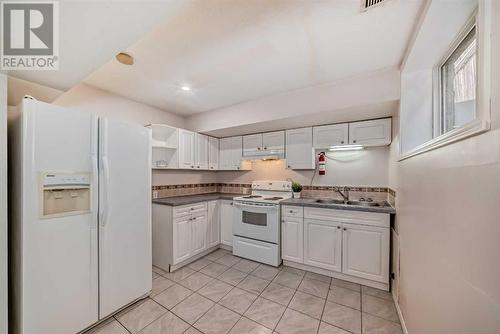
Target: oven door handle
point(265, 206)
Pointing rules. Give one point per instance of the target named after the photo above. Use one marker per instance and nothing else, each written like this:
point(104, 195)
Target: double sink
point(357, 203)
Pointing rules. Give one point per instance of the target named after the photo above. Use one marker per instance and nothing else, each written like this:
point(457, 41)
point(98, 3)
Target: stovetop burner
point(275, 198)
point(252, 196)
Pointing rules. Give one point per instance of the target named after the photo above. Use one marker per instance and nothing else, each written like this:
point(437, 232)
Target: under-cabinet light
point(346, 148)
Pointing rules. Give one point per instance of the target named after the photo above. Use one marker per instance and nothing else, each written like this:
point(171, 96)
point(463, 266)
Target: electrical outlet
point(155, 194)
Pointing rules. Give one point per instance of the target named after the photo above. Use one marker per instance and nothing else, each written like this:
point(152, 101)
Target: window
point(459, 85)
point(446, 77)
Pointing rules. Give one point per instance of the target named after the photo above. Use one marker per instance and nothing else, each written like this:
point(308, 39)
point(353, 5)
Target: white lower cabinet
point(366, 252)
point(182, 233)
point(352, 243)
point(323, 244)
point(292, 239)
point(213, 230)
point(226, 222)
point(198, 234)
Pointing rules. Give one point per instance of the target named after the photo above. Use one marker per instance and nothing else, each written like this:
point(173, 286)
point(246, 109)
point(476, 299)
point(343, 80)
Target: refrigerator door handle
point(95, 173)
point(105, 204)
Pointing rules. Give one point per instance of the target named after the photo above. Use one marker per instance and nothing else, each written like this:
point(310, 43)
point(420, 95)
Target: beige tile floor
point(222, 293)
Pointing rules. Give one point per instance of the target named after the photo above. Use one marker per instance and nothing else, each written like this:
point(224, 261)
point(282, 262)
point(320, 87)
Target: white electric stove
point(256, 223)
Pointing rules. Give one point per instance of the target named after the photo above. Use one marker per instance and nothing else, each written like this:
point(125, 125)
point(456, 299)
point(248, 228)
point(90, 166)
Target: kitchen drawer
point(197, 215)
point(348, 217)
point(190, 209)
point(292, 211)
point(256, 250)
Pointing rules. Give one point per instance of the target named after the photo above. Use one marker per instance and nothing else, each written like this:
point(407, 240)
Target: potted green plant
point(296, 188)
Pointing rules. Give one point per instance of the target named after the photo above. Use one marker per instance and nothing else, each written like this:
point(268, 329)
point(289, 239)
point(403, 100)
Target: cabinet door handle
point(265, 148)
point(198, 167)
point(338, 227)
point(342, 142)
point(354, 141)
point(345, 229)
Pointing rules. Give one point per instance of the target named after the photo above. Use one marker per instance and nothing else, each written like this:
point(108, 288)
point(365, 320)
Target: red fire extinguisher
point(322, 163)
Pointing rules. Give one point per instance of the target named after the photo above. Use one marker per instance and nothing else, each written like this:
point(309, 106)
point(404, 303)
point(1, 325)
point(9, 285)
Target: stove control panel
point(272, 185)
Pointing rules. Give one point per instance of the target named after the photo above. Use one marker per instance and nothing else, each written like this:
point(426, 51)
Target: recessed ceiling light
point(125, 58)
point(186, 88)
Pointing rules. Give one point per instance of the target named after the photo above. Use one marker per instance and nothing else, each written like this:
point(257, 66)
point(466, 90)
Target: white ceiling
point(240, 50)
point(93, 31)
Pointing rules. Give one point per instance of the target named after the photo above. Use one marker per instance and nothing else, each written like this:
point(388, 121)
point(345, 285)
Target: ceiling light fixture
point(346, 148)
point(125, 58)
point(186, 88)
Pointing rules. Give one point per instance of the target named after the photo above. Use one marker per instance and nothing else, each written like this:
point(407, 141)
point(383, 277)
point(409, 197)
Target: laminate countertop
point(191, 199)
point(311, 202)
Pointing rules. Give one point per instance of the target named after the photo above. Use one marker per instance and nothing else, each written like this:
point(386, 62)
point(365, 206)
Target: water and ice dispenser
point(64, 194)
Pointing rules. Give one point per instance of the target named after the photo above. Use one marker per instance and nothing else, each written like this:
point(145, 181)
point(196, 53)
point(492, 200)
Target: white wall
point(87, 98)
point(18, 88)
point(449, 227)
point(357, 168)
point(433, 40)
point(3, 204)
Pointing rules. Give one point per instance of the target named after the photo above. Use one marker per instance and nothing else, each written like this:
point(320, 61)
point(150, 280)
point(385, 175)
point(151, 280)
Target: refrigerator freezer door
point(55, 269)
point(125, 250)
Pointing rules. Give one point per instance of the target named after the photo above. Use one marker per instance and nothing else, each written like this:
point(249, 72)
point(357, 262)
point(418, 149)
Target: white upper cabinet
point(264, 143)
point(273, 141)
point(230, 154)
point(179, 148)
point(326, 136)
point(227, 154)
point(213, 153)
point(186, 149)
point(370, 133)
point(165, 144)
point(201, 151)
point(252, 144)
point(299, 149)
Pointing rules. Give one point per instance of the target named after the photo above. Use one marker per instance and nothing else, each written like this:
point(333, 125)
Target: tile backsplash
point(201, 188)
point(355, 193)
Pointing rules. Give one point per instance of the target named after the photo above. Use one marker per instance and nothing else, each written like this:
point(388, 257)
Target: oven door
point(258, 221)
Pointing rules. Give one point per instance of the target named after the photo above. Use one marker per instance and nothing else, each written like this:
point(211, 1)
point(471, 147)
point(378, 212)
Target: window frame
point(481, 20)
point(439, 105)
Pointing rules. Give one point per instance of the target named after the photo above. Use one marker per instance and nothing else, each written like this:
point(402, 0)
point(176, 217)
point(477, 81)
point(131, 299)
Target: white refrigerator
point(80, 220)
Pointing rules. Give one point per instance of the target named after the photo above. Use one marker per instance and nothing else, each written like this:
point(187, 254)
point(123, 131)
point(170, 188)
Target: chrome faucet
point(345, 194)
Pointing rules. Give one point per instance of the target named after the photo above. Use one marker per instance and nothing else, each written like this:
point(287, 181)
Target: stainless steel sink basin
point(364, 203)
point(329, 201)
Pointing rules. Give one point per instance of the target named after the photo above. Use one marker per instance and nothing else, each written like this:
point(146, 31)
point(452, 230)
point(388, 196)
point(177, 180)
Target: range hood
point(265, 155)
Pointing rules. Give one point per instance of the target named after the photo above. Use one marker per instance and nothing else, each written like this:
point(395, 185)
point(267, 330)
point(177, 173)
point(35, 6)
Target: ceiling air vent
point(368, 4)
